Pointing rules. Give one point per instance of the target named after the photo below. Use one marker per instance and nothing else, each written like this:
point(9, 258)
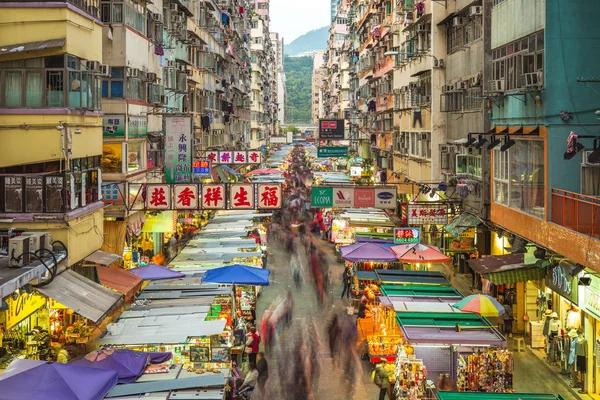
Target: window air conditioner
point(464, 85)
point(133, 72)
point(475, 10)
point(18, 250)
point(497, 85)
point(104, 70)
point(422, 28)
point(151, 77)
point(532, 79)
point(457, 21)
point(585, 159)
point(91, 65)
point(157, 17)
point(40, 240)
point(173, 7)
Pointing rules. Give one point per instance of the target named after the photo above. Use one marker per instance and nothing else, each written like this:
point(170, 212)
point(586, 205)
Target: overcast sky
point(293, 18)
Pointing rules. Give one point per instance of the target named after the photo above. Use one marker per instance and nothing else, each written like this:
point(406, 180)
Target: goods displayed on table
point(157, 369)
point(384, 345)
point(411, 376)
point(490, 371)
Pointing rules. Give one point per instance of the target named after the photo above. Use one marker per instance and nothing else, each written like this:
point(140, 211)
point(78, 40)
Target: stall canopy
point(153, 272)
point(238, 275)
point(496, 396)
point(102, 258)
point(506, 269)
point(32, 379)
point(128, 364)
point(419, 253)
point(367, 252)
point(400, 277)
point(461, 223)
point(81, 295)
point(448, 329)
point(421, 291)
point(120, 280)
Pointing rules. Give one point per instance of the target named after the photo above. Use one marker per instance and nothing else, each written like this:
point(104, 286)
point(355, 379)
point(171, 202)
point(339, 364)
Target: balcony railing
point(576, 211)
point(91, 7)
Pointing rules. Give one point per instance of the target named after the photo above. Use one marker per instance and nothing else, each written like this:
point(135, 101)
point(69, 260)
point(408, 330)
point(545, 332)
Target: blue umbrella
point(237, 274)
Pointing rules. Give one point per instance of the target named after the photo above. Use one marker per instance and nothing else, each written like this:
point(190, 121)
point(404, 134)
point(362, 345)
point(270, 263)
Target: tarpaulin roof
point(120, 280)
point(461, 223)
point(441, 329)
point(401, 277)
point(81, 295)
point(238, 275)
point(153, 272)
point(128, 364)
point(102, 258)
point(31, 379)
point(419, 253)
point(32, 46)
point(367, 252)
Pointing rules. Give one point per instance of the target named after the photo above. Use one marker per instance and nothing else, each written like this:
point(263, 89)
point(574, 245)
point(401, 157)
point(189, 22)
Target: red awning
point(120, 280)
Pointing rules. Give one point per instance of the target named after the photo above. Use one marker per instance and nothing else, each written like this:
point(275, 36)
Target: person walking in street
point(508, 319)
point(347, 281)
point(263, 374)
point(382, 379)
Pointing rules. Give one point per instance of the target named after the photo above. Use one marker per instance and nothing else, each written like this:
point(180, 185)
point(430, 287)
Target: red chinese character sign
point(426, 214)
point(241, 196)
point(254, 157)
point(269, 196)
point(158, 197)
point(185, 197)
point(213, 197)
point(239, 157)
point(212, 156)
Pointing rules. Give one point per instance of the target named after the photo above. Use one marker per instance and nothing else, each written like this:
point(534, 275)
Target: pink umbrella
point(419, 253)
point(264, 171)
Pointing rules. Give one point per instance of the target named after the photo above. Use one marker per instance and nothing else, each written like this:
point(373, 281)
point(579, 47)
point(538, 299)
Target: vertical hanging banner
point(178, 153)
point(213, 197)
point(185, 197)
point(269, 196)
point(158, 197)
point(241, 196)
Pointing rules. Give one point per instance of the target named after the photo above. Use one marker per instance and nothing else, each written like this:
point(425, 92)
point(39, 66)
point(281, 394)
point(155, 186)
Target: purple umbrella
point(153, 272)
point(29, 379)
point(368, 252)
point(128, 364)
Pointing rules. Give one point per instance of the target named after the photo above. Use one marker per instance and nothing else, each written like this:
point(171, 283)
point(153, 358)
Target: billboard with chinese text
point(178, 149)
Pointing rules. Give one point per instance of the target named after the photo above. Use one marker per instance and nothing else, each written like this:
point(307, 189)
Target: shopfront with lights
point(589, 297)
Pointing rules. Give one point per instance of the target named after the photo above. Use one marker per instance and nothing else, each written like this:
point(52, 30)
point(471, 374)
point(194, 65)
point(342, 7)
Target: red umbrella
point(265, 171)
point(419, 253)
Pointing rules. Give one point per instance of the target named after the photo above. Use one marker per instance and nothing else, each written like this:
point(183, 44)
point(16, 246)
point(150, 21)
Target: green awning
point(420, 291)
point(441, 319)
point(495, 396)
point(525, 274)
point(461, 223)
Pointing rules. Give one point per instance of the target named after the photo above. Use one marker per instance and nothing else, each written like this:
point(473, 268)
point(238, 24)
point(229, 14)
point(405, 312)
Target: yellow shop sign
point(21, 308)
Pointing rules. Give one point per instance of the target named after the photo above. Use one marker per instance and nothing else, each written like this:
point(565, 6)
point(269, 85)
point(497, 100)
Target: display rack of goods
point(411, 377)
point(490, 371)
point(384, 345)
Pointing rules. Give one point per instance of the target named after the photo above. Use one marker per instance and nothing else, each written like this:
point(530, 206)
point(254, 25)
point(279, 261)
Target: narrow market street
point(331, 384)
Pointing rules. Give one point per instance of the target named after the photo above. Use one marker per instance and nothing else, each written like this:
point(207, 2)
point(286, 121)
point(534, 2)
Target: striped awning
point(527, 273)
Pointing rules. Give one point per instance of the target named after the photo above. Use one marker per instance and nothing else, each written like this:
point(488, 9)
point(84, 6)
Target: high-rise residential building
point(279, 50)
point(261, 7)
point(318, 77)
point(334, 8)
point(263, 98)
point(51, 122)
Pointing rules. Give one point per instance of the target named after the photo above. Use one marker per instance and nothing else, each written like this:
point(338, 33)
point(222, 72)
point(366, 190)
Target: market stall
point(421, 293)
point(439, 339)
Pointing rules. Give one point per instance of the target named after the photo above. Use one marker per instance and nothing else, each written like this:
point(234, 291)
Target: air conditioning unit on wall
point(475, 10)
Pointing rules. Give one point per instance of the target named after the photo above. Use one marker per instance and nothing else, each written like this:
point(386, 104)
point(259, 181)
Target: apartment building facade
point(318, 76)
point(51, 121)
point(280, 85)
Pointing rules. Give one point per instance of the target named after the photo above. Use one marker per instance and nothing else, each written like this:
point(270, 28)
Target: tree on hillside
point(298, 72)
point(291, 128)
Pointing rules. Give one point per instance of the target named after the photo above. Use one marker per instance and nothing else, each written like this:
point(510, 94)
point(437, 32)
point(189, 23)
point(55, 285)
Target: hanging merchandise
point(420, 9)
point(411, 377)
point(573, 146)
point(490, 371)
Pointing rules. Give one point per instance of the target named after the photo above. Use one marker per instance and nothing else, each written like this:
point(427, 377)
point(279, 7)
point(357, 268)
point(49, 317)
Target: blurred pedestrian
point(347, 282)
point(253, 342)
point(382, 379)
point(263, 373)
